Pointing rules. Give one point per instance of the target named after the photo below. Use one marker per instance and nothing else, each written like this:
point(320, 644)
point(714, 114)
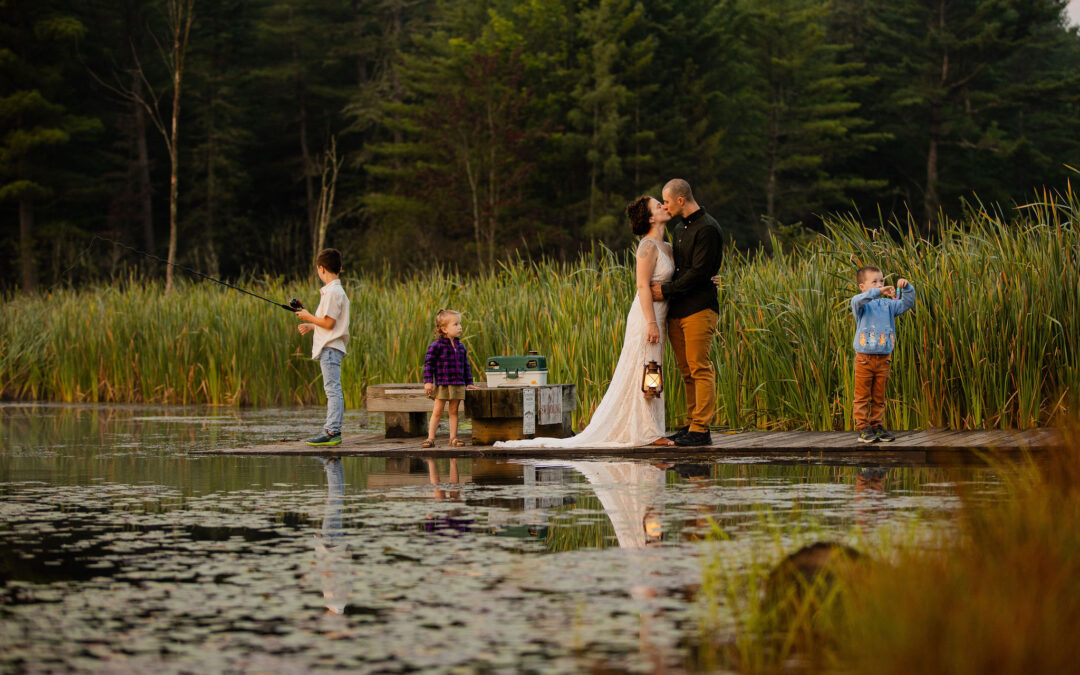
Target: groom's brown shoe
point(679, 434)
point(694, 439)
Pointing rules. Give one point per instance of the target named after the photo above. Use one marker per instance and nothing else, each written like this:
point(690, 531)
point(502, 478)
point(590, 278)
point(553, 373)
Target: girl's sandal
point(665, 442)
point(457, 443)
point(429, 443)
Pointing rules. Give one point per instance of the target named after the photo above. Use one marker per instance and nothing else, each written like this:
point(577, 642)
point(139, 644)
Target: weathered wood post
point(514, 413)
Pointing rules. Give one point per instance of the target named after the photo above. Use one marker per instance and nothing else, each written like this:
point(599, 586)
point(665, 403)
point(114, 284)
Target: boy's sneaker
point(883, 435)
point(324, 439)
point(867, 436)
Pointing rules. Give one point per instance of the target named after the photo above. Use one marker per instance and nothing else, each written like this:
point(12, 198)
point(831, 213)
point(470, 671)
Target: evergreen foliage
point(474, 132)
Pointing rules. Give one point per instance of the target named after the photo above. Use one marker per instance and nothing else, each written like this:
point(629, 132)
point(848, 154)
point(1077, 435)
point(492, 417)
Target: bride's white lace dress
point(624, 418)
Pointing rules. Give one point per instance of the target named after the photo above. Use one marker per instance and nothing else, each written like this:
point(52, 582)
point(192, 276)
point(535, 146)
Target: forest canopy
point(240, 136)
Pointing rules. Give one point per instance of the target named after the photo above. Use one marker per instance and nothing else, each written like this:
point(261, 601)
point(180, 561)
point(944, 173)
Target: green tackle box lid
point(516, 364)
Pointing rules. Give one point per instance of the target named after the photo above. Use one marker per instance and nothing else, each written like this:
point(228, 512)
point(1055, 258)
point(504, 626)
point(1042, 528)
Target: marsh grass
point(1000, 594)
point(991, 343)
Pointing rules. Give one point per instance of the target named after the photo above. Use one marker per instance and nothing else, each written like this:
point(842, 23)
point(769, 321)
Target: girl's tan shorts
point(444, 392)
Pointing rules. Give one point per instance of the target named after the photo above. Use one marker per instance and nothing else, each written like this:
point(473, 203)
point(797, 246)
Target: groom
point(692, 306)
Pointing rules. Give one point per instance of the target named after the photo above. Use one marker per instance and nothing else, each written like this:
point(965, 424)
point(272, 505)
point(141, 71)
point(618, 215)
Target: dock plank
point(915, 447)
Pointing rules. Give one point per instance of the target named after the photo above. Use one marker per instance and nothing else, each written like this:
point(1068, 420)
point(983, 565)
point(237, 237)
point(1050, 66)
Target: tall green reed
point(990, 344)
point(1000, 594)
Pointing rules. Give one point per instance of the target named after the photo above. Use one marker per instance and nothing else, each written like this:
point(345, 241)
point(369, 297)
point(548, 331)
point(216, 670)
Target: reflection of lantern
point(652, 381)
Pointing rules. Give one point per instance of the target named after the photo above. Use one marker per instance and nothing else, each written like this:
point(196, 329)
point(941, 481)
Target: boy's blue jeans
point(330, 362)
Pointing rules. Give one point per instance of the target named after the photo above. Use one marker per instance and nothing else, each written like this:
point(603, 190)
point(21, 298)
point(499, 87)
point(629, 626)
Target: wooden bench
point(498, 414)
point(405, 408)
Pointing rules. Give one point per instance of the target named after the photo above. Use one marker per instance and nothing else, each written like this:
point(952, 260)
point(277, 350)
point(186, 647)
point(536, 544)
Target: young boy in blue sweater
point(875, 308)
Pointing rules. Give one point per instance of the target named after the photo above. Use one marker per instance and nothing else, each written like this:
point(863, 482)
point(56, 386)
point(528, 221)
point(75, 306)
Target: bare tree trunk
point(28, 272)
point(395, 79)
point(145, 193)
point(361, 66)
point(181, 14)
point(474, 192)
point(931, 201)
point(637, 142)
point(493, 187)
point(770, 183)
point(309, 178)
point(329, 165)
point(593, 169)
point(211, 181)
point(305, 152)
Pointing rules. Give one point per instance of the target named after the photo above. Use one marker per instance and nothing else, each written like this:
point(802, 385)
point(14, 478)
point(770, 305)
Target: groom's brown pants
point(691, 337)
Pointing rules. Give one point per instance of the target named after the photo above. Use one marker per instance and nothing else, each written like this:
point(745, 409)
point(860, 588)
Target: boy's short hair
point(863, 271)
point(329, 259)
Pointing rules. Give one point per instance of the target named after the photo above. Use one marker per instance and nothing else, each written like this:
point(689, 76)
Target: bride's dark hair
point(639, 213)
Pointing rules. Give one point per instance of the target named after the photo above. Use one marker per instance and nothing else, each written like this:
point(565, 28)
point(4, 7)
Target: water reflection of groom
point(693, 308)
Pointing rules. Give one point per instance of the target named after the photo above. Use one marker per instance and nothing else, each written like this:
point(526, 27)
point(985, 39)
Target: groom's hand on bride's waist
point(656, 293)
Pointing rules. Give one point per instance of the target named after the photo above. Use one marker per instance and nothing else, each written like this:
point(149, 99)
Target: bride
point(625, 418)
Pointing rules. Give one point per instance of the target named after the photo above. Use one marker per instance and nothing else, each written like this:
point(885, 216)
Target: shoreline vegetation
point(998, 594)
point(990, 344)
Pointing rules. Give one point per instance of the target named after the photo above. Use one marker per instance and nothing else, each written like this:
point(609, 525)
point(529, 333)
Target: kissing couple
point(676, 297)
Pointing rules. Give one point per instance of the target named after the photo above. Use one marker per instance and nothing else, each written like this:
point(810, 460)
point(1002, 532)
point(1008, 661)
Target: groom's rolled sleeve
point(707, 248)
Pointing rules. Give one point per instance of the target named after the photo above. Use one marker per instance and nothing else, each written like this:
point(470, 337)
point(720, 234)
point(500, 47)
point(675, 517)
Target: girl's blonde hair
point(441, 317)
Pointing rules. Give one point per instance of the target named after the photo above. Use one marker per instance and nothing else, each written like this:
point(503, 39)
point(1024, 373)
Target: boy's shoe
point(693, 439)
point(679, 434)
point(868, 436)
point(883, 435)
point(324, 439)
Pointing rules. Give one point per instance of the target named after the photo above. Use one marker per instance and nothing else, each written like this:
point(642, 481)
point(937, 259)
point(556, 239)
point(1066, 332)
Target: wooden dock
point(931, 446)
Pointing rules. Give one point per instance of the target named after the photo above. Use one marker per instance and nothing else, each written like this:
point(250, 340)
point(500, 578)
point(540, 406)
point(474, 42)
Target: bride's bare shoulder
point(647, 248)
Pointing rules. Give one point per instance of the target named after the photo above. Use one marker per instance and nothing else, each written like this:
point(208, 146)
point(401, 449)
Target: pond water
point(122, 550)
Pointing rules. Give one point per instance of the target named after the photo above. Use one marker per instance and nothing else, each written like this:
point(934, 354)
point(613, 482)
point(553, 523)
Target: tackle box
point(529, 370)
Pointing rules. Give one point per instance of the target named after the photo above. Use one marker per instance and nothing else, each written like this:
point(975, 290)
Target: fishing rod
point(293, 306)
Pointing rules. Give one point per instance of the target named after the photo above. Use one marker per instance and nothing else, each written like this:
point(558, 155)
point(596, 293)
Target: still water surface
point(121, 550)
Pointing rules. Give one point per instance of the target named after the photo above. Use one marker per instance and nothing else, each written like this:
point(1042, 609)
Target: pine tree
point(34, 126)
point(810, 119)
point(943, 61)
point(465, 141)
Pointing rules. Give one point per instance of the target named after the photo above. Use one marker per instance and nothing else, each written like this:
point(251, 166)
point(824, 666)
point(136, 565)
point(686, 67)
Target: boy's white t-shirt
point(334, 304)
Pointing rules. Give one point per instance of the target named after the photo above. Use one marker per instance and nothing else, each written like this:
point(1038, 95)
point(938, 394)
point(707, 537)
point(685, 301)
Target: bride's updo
point(639, 213)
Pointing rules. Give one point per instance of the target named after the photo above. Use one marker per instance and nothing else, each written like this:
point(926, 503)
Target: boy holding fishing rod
point(875, 308)
point(330, 324)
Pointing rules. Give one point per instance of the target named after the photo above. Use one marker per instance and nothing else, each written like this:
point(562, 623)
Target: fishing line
point(293, 306)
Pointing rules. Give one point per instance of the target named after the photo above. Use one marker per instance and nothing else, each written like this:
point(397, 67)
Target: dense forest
point(240, 136)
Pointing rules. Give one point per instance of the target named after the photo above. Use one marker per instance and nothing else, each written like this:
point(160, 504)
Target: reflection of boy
point(875, 308)
point(330, 551)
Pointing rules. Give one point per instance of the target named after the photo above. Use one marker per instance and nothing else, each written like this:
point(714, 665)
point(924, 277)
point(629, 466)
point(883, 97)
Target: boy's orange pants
point(871, 376)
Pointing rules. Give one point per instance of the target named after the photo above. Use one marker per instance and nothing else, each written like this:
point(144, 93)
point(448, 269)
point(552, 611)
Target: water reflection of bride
point(630, 494)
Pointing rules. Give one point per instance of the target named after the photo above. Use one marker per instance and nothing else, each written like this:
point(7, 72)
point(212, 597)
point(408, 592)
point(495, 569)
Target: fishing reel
point(296, 305)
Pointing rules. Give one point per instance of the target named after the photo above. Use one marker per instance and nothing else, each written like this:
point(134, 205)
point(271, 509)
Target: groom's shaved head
point(677, 187)
point(678, 199)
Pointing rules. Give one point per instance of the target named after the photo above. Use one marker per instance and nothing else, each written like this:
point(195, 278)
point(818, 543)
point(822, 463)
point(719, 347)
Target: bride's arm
point(646, 263)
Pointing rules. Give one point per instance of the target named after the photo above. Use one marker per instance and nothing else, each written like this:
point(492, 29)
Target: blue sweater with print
point(876, 319)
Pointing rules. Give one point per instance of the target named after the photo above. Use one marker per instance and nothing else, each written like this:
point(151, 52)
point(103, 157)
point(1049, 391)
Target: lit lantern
point(652, 381)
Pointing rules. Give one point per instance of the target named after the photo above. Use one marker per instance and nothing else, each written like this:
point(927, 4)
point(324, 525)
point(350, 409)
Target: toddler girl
point(446, 374)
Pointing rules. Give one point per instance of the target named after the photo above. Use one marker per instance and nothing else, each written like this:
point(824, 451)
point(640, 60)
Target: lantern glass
point(652, 380)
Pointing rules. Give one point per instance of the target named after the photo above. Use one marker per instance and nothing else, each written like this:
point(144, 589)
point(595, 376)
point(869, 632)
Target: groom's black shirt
point(697, 248)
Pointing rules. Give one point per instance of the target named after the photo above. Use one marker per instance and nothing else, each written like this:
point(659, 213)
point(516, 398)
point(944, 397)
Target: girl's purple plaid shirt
point(447, 363)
